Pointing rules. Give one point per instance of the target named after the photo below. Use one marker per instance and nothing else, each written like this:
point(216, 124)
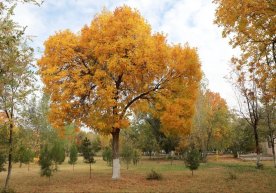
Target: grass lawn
point(214, 176)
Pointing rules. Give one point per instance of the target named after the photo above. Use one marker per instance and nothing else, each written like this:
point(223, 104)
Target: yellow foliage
point(116, 66)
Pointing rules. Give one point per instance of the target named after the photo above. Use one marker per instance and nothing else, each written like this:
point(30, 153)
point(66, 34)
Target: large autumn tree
point(114, 66)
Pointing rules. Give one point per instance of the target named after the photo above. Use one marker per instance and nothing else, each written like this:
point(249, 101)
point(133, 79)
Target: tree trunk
point(192, 172)
point(90, 170)
point(115, 154)
point(73, 166)
point(273, 151)
point(257, 146)
point(10, 156)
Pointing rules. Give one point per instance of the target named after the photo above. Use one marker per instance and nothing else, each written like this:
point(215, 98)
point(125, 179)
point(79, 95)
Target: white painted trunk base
point(116, 169)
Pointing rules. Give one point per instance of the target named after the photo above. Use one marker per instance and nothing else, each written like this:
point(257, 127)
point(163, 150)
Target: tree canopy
point(116, 65)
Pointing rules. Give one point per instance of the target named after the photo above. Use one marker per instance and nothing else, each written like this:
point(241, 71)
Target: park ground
point(226, 174)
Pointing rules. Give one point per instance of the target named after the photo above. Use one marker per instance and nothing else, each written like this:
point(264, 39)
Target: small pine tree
point(45, 162)
point(126, 154)
point(88, 152)
point(58, 154)
point(192, 159)
point(107, 155)
point(73, 155)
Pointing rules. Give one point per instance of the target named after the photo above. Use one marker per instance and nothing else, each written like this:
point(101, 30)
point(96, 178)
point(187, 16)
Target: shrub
point(153, 175)
point(260, 166)
point(232, 176)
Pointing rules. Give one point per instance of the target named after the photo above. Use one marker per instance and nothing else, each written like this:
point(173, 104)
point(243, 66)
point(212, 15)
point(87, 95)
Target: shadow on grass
point(250, 167)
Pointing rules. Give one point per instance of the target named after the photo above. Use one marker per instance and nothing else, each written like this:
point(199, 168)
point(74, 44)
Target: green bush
point(232, 176)
point(260, 166)
point(153, 175)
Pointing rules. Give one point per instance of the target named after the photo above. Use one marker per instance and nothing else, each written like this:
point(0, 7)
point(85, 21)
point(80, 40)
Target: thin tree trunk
point(28, 166)
point(273, 151)
point(192, 172)
point(115, 154)
point(10, 156)
point(257, 145)
point(90, 170)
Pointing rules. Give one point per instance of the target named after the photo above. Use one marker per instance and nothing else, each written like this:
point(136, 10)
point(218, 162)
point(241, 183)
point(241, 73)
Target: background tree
point(244, 81)
point(92, 83)
point(211, 128)
point(88, 152)
point(107, 155)
point(73, 157)
point(24, 155)
point(136, 156)
point(192, 159)
point(242, 137)
point(127, 154)
point(147, 140)
point(251, 27)
point(16, 78)
point(45, 162)
point(58, 153)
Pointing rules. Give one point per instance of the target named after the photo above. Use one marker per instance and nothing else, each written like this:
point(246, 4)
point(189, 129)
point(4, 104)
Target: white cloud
point(183, 21)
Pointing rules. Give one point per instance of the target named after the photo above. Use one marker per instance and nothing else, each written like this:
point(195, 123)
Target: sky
point(182, 20)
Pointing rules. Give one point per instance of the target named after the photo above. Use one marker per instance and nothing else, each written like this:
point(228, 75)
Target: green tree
point(58, 153)
point(45, 162)
point(167, 142)
point(127, 154)
point(107, 155)
point(147, 140)
point(88, 153)
point(242, 138)
point(16, 78)
point(192, 159)
point(73, 157)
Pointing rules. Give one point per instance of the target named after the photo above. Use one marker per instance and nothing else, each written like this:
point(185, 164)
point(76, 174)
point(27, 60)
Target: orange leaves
point(116, 66)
